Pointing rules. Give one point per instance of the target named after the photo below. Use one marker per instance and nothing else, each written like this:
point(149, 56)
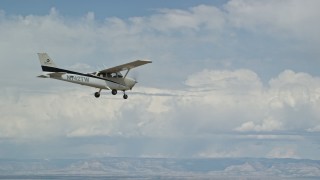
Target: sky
point(235, 78)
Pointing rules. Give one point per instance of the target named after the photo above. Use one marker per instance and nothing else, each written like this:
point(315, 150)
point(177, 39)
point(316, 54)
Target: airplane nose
point(134, 83)
point(131, 82)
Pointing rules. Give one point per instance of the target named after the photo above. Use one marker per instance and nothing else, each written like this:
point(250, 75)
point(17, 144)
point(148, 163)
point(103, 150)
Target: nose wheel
point(125, 96)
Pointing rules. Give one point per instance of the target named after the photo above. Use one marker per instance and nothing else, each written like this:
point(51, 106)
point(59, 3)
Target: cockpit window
point(117, 75)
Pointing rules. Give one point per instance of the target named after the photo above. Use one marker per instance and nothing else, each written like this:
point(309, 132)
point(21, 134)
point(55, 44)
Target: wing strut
point(126, 73)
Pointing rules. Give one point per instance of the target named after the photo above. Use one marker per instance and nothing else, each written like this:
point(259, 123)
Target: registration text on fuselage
point(77, 78)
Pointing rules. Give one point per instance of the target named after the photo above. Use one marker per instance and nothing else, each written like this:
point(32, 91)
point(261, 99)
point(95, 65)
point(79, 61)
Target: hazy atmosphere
point(236, 78)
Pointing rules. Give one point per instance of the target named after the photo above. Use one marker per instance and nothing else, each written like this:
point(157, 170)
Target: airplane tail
point(47, 65)
point(45, 60)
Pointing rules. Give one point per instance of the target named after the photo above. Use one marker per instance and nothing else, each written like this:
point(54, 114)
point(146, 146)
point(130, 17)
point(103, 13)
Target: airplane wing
point(126, 66)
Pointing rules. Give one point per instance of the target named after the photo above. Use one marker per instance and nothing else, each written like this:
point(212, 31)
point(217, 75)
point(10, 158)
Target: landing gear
point(97, 94)
point(125, 96)
point(114, 91)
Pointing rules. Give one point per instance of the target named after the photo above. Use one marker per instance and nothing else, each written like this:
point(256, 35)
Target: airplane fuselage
point(97, 82)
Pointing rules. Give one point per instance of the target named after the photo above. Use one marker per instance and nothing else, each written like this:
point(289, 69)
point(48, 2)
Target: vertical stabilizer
point(45, 60)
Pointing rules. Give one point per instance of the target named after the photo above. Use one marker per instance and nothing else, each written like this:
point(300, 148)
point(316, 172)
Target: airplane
point(109, 79)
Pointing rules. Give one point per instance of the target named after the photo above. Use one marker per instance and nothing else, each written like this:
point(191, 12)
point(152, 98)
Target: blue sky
point(234, 78)
point(102, 9)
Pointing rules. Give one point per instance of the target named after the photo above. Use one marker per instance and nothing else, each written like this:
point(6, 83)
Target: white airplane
point(110, 79)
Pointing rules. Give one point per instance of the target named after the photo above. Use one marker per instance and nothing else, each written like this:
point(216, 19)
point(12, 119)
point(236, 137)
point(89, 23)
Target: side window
point(119, 75)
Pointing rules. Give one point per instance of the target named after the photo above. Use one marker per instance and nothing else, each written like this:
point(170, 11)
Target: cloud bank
point(236, 80)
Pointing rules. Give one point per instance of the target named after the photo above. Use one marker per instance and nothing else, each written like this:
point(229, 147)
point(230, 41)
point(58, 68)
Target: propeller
point(135, 76)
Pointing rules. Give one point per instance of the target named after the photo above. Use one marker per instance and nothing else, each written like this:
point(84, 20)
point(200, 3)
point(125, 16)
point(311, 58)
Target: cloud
point(214, 154)
point(283, 152)
point(294, 18)
point(267, 125)
point(314, 129)
point(208, 77)
point(214, 33)
point(195, 19)
point(214, 101)
point(224, 79)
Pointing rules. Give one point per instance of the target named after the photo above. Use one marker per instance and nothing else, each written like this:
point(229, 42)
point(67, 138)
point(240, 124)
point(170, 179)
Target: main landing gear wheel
point(125, 96)
point(114, 91)
point(96, 94)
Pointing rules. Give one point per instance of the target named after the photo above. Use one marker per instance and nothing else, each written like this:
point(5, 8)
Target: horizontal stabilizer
point(43, 76)
point(52, 74)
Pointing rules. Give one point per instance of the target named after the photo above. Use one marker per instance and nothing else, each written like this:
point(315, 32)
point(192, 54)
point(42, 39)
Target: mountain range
point(159, 168)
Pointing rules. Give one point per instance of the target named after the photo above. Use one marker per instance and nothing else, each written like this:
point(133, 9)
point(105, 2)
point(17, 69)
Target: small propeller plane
point(109, 79)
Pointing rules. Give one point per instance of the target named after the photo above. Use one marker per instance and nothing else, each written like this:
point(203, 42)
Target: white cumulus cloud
point(203, 80)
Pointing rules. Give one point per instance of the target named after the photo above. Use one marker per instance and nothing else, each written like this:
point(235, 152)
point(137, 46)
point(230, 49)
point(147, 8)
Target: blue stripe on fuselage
point(54, 69)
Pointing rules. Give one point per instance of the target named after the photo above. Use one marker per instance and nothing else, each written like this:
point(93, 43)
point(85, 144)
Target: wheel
point(125, 96)
point(96, 94)
point(114, 91)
